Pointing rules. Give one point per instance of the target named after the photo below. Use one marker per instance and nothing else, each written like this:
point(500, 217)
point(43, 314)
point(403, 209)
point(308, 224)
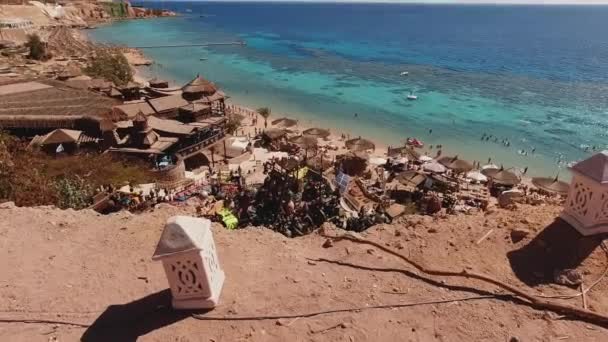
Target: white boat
point(412, 97)
point(404, 73)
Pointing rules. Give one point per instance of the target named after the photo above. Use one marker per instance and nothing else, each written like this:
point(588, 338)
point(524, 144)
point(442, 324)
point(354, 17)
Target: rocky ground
point(85, 268)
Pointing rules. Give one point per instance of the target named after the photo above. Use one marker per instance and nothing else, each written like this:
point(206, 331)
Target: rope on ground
point(203, 317)
point(587, 289)
point(43, 321)
point(332, 311)
point(531, 300)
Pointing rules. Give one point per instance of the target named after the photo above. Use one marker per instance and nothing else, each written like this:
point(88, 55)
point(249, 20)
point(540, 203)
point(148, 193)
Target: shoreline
point(539, 166)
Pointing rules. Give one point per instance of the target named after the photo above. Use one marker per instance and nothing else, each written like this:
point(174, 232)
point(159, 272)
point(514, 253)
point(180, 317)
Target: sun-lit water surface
point(534, 76)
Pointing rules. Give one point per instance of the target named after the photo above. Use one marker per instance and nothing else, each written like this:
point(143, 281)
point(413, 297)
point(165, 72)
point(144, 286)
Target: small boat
point(203, 59)
point(404, 73)
point(412, 97)
point(414, 142)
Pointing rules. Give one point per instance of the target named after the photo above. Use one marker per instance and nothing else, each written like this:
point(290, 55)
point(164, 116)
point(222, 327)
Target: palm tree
point(265, 113)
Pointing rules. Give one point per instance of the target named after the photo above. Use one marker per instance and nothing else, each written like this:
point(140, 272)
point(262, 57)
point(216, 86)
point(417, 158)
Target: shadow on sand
point(127, 322)
point(558, 247)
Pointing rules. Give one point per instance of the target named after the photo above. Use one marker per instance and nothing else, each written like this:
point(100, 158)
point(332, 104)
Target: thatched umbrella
point(317, 132)
point(456, 164)
point(501, 176)
point(304, 141)
point(552, 185)
point(274, 133)
point(198, 88)
point(411, 178)
point(284, 122)
point(359, 144)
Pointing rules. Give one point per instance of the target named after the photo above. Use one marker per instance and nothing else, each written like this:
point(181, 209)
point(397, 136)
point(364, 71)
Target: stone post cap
point(182, 234)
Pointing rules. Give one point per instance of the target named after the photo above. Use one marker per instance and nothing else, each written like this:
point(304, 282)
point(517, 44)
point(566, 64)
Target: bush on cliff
point(111, 65)
point(37, 49)
point(29, 177)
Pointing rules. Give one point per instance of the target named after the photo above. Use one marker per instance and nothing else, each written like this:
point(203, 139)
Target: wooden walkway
point(190, 45)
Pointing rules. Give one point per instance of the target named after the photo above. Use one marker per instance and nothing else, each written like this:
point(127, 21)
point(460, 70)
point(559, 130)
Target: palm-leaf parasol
point(304, 141)
point(359, 144)
point(456, 164)
point(317, 132)
point(552, 185)
point(501, 176)
point(284, 122)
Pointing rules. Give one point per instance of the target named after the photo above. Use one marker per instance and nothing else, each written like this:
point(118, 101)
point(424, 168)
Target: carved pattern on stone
point(186, 272)
point(602, 212)
point(211, 261)
point(580, 200)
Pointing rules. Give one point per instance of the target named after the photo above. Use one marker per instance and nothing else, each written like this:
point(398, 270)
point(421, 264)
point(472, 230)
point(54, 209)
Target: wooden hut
point(194, 112)
point(205, 92)
point(130, 91)
point(158, 83)
point(168, 106)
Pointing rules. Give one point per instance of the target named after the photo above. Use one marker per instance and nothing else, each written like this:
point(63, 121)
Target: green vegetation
point(37, 48)
point(32, 178)
point(265, 113)
point(115, 9)
point(234, 123)
point(111, 65)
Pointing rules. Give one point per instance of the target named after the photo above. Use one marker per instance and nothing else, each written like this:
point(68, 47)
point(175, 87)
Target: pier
point(190, 45)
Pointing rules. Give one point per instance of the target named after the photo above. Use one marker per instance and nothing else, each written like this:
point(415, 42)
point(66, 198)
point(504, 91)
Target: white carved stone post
point(188, 253)
point(586, 208)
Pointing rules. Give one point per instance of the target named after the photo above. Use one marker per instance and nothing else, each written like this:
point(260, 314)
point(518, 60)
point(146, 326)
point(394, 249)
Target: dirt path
point(86, 268)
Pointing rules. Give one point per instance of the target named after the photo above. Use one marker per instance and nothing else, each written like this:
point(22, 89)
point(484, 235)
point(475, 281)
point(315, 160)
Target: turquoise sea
point(536, 77)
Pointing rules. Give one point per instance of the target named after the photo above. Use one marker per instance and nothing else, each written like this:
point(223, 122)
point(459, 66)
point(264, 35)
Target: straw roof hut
point(408, 151)
point(456, 164)
point(61, 136)
point(284, 122)
point(551, 185)
point(411, 178)
point(304, 141)
point(501, 176)
point(359, 144)
point(130, 86)
point(197, 88)
point(317, 132)
point(158, 83)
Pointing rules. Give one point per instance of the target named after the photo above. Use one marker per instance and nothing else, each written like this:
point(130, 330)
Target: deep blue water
point(536, 76)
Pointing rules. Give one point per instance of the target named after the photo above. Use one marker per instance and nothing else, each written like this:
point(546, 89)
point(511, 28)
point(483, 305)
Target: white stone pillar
point(187, 251)
point(586, 208)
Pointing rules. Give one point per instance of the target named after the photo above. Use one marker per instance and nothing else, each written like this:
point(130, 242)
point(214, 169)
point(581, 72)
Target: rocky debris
point(7, 205)
point(568, 277)
point(519, 234)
